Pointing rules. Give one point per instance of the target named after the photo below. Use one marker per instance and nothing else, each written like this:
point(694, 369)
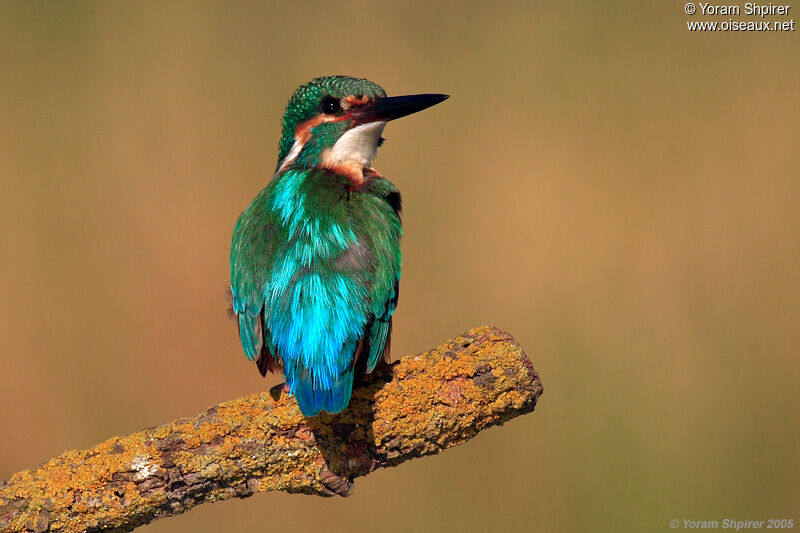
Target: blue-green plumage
point(315, 258)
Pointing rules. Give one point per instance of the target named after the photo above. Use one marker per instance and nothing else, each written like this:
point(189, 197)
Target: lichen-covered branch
point(415, 407)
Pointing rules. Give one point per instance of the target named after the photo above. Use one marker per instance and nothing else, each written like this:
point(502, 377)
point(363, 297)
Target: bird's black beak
point(392, 107)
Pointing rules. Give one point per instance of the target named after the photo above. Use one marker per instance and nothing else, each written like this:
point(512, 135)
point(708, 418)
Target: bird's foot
point(276, 391)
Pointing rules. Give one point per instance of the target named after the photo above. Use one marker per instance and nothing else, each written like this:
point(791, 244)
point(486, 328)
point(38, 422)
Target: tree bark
point(415, 407)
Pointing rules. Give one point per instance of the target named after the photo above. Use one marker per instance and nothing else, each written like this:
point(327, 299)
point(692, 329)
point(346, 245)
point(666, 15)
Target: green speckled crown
point(305, 102)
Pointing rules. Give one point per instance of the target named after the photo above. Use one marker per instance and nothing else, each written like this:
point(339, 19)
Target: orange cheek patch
point(302, 133)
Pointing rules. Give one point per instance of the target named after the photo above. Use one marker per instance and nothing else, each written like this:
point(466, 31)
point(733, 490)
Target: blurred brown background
point(618, 193)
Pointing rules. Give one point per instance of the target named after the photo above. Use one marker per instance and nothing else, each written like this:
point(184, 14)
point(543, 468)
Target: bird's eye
point(330, 105)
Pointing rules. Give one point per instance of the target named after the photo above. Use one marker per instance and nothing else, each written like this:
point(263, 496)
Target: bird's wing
point(379, 330)
point(255, 239)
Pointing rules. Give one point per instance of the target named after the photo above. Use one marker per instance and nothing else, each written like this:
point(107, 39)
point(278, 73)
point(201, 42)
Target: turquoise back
point(315, 268)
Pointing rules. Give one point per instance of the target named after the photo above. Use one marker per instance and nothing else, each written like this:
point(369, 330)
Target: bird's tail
point(313, 399)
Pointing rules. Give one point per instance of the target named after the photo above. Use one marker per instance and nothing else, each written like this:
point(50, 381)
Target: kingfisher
point(315, 257)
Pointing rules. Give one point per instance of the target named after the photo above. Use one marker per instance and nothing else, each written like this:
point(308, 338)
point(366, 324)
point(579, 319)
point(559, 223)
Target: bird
point(315, 258)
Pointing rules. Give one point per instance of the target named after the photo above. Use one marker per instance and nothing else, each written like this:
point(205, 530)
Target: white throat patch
point(358, 145)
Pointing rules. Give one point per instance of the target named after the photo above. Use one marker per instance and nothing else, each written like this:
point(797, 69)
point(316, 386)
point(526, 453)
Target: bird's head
point(336, 123)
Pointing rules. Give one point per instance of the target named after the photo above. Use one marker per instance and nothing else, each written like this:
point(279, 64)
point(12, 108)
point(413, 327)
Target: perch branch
point(415, 407)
